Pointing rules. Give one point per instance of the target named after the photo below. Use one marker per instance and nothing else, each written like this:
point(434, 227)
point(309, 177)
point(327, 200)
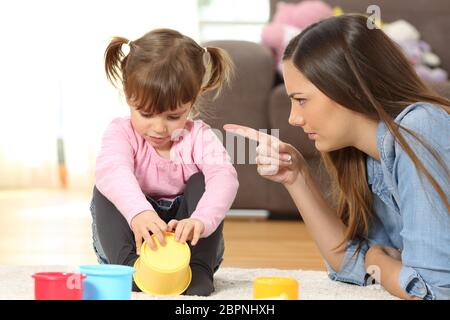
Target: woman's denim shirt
point(408, 213)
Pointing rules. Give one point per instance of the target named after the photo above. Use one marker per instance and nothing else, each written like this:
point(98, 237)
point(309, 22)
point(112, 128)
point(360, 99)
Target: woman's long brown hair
point(362, 70)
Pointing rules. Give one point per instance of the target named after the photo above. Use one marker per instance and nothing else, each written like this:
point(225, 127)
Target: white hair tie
point(207, 65)
point(126, 48)
point(206, 57)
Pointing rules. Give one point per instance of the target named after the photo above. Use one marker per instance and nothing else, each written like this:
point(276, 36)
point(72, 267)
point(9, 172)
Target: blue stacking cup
point(107, 282)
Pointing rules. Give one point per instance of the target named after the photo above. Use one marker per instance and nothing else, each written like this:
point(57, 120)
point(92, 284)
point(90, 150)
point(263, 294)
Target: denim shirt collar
point(375, 176)
point(379, 173)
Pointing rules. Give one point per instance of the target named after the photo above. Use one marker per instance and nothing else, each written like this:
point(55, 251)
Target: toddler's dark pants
point(114, 241)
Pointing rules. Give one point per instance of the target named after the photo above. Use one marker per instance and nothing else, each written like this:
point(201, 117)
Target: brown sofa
point(255, 98)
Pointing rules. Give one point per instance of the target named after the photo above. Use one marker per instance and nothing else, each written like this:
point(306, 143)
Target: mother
point(384, 138)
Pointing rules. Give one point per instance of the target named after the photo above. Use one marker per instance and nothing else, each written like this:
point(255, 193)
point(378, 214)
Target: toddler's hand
point(187, 229)
point(143, 223)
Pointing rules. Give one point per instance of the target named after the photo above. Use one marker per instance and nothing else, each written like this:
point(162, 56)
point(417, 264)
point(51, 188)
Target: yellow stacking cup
point(276, 288)
point(166, 270)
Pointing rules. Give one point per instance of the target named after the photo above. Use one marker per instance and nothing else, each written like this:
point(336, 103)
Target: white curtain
point(52, 80)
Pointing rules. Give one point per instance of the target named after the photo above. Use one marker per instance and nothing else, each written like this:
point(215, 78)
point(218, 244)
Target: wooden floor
point(53, 227)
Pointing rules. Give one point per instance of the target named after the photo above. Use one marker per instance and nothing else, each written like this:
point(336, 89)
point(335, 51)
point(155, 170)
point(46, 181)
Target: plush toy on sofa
point(288, 21)
point(291, 18)
point(418, 52)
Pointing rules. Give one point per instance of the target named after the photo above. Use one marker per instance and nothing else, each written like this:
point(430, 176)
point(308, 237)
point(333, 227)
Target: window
point(232, 19)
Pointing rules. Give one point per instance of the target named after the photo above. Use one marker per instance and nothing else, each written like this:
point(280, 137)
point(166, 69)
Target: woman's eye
point(173, 117)
point(146, 115)
point(299, 101)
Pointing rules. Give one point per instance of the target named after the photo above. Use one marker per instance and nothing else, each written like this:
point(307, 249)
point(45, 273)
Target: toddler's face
point(157, 129)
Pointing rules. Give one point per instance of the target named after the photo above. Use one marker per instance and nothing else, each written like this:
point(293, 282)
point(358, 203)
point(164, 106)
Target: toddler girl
point(157, 169)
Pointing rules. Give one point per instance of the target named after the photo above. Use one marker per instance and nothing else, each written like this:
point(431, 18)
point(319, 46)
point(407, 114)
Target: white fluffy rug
point(231, 284)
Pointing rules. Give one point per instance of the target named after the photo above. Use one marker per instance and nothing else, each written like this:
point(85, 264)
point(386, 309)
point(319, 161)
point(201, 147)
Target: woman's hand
point(143, 223)
point(276, 160)
point(187, 229)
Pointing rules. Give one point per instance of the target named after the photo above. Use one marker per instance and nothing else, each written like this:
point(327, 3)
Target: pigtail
point(114, 60)
point(218, 70)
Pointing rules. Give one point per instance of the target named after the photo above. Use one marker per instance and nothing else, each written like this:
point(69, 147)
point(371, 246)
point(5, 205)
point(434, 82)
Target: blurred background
point(55, 104)
point(55, 100)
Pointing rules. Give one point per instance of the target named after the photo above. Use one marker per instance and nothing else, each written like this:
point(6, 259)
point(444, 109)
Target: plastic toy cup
point(107, 282)
point(58, 286)
point(275, 288)
point(164, 271)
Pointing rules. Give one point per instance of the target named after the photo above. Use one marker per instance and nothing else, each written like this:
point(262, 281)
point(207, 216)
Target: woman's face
point(158, 129)
point(325, 121)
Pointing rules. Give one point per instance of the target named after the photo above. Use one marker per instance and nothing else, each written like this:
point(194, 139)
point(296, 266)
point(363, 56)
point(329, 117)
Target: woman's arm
point(325, 227)
point(388, 264)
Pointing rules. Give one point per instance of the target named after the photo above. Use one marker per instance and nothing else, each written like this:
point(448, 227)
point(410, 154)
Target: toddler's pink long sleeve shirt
point(128, 168)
